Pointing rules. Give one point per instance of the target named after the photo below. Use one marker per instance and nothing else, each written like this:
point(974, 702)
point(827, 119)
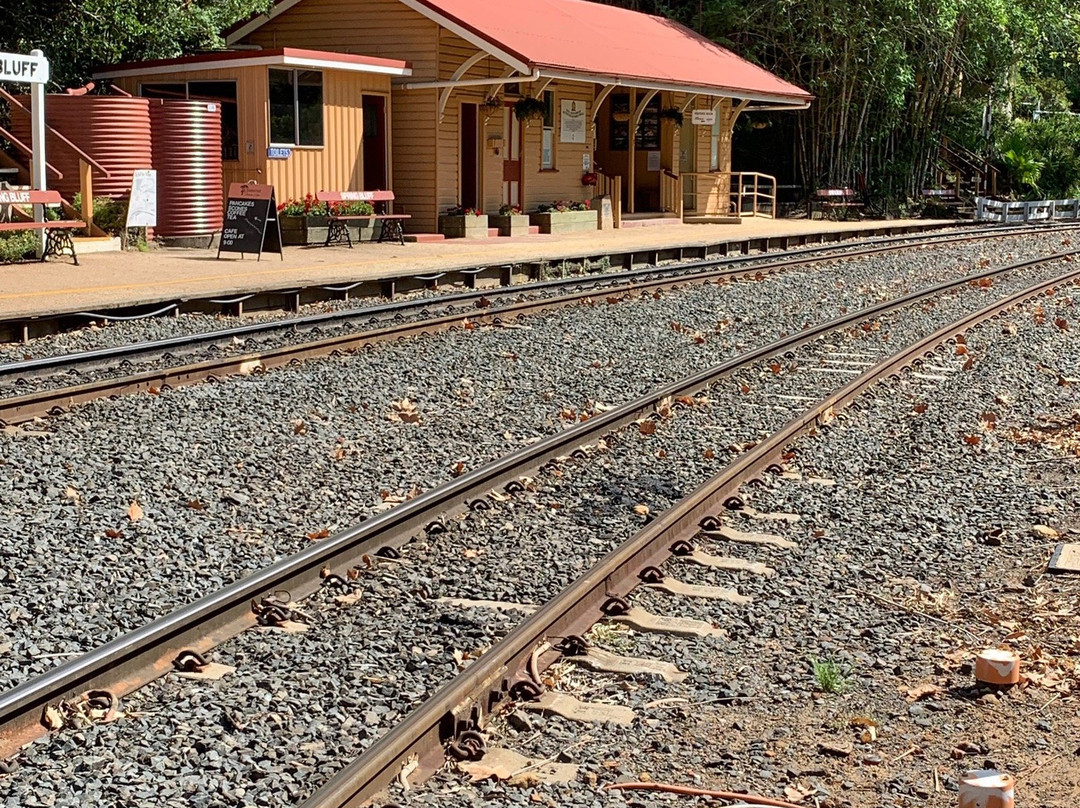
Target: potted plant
point(565, 216)
point(462, 222)
point(510, 221)
point(303, 221)
point(528, 108)
point(673, 114)
point(306, 221)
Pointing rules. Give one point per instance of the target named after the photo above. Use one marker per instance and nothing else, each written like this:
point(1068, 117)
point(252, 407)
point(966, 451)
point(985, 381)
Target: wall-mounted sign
point(572, 122)
point(703, 117)
point(251, 224)
point(586, 163)
point(278, 153)
point(653, 163)
point(142, 209)
point(24, 69)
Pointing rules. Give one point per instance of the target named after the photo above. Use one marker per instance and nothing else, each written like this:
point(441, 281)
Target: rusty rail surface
point(461, 705)
point(130, 661)
point(38, 404)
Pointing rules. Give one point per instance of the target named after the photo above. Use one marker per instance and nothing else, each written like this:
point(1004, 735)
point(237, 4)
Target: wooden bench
point(338, 231)
point(57, 233)
point(833, 201)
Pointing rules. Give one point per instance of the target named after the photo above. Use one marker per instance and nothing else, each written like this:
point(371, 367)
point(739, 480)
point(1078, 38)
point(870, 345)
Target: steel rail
point(95, 358)
point(142, 655)
point(463, 703)
point(40, 403)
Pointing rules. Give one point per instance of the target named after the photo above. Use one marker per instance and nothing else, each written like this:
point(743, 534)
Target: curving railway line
point(455, 716)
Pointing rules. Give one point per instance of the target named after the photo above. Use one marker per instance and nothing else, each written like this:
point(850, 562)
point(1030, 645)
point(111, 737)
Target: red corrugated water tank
point(187, 155)
point(114, 130)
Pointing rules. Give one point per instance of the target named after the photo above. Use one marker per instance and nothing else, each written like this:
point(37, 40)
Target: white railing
point(1042, 210)
point(739, 193)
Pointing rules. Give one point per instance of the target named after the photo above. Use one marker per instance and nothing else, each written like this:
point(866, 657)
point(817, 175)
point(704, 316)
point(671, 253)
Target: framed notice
point(142, 207)
point(572, 121)
point(251, 223)
point(653, 162)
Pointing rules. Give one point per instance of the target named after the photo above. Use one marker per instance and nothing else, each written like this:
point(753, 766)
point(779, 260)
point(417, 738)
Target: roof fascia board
point(258, 22)
point(253, 61)
point(784, 102)
point(517, 61)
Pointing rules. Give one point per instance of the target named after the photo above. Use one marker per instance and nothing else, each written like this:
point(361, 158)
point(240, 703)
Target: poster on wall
point(653, 163)
point(572, 129)
point(703, 117)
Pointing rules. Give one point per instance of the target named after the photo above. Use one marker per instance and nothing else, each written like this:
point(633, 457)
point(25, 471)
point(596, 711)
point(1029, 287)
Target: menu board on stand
point(251, 222)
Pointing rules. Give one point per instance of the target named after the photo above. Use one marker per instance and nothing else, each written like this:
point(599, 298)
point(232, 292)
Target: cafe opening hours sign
point(251, 223)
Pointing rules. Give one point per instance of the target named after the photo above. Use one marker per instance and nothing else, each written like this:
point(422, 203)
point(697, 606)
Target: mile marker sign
point(16, 67)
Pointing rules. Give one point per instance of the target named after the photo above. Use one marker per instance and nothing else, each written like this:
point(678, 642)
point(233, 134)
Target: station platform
point(108, 282)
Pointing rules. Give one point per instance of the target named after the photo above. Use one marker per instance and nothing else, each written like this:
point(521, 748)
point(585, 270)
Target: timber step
point(652, 221)
point(424, 238)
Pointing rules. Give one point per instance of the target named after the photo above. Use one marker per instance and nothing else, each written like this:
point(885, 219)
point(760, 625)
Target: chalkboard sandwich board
point(251, 221)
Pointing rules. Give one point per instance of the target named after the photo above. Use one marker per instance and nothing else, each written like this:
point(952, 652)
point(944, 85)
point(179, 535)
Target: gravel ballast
point(229, 477)
point(587, 504)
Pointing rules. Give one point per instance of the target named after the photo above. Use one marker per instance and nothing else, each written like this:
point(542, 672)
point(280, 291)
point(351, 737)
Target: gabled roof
point(592, 42)
point(286, 57)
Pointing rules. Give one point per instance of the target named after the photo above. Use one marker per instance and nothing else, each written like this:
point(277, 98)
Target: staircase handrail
point(15, 103)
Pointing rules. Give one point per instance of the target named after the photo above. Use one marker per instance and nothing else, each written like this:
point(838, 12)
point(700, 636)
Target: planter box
point(571, 221)
point(463, 226)
point(512, 225)
point(302, 230)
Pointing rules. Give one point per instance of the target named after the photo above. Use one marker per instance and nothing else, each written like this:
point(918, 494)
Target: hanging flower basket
point(673, 114)
point(528, 108)
point(492, 104)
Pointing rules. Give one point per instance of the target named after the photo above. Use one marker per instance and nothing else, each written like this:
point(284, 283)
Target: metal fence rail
point(1042, 210)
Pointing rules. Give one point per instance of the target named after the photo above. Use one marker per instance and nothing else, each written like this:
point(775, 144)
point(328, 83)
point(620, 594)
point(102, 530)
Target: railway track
point(123, 665)
point(388, 322)
point(450, 725)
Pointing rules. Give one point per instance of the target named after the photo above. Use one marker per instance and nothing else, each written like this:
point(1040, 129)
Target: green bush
point(109, 214)
point(1052, 143)
point(17, 245)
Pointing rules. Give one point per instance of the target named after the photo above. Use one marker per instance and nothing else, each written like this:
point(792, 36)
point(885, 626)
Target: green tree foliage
point(891, 77)
point(79, 35)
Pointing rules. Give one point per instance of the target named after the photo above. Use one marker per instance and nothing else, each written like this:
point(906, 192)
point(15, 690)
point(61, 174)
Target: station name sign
point(24, 69)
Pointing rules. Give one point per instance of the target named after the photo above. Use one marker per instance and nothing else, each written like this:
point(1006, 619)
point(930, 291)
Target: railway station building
point(480, 104)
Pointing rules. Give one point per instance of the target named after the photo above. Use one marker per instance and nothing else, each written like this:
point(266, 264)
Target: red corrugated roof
point(584, 37)
point(590, 39)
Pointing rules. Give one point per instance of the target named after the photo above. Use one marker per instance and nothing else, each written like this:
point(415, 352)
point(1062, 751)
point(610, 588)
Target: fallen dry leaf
point(647, 427)
point(73, 495)
point(641, 510)
point(322, 534)
point(922, 691)
point(135, 512)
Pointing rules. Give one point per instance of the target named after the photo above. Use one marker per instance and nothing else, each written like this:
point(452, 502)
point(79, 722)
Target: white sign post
point(32, 70)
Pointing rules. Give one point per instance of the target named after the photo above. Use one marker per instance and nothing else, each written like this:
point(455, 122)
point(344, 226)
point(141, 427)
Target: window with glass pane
point(309, 108)
point(547, 146)
point(282, 107)
point(222, 93)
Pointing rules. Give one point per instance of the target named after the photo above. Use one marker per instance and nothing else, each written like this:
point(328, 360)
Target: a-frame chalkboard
point(251, 221)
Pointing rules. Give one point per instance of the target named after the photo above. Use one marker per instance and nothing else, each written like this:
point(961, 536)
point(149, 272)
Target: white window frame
point(296, 109)
point(547, 137)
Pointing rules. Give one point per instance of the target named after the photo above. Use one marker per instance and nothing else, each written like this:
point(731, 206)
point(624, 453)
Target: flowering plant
point(510, 210)
point(308, 206)
point(360, 208)
point(563, 205)
point(461, 210)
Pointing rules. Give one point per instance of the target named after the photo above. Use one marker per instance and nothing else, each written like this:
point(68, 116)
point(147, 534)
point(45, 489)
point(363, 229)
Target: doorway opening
point(470, 156)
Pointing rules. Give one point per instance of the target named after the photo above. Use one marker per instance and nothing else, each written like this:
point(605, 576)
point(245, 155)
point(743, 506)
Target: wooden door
point(374, 139)
point(512, 176)
point(470, 155)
